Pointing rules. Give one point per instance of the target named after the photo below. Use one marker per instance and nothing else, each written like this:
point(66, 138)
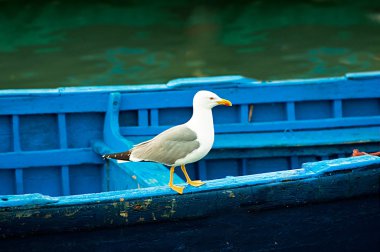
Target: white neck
point(201, 121)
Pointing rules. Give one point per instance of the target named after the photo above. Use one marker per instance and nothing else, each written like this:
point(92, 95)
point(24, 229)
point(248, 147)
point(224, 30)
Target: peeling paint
point(165, 215)
point(141, 206)
point(154, 216)
point(137, 207)
point(124, 214)
point(121, 199)
point(172, 211)
point(68, 214)
point(147, 202)
point(141, 219)
point(47, 216)
point(23, 215)
point(230, 193)
point(135, 178)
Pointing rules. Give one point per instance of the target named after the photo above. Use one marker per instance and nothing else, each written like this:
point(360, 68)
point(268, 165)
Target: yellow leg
point(188, 180)
point(178, 189)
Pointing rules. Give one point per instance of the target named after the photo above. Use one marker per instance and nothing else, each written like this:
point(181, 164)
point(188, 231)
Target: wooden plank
point(361, 76)
point(337, 108)
point(289, 138)
point(267, 126)
point(244, 113)
point(154, 117)
point(19, 177)
point(290, 111)
point(202, 169)
point(57, 157)
point(258, 94)
point(143, 119)
point(285, 91)
point(244, 167)
point(65, 180)
point(294, 162)
point(62, 130)
point(16, 133)
point(111, 132)
point(300, 138)
point(20, 105)
point(322, 151)
point(139, 174)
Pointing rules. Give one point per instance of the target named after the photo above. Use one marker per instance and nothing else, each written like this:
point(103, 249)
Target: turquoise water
point(60, 43)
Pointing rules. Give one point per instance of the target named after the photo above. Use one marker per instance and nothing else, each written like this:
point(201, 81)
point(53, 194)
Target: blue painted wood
point(290, 111)
point(154, 117)
point(289, 138)
point(294, 163)
point(65, 180)
point(266, 127)
point(363, 75)
point(134, 175)
point(26, 200)
point(228, 80)
point(19, 176)
point(313, 227)
point(282, 134)
point(143, 117)
point(202, 170)
point(62, 130)
point(244, 167)
point(148, 174)
point(310, 170)
point(16, 133)
point(260, 92)
point(111, 133)
point(338, 108)
point(244, 113)
point(316, 183)
point(341, 164)
point(55, 157)
point(57, 104)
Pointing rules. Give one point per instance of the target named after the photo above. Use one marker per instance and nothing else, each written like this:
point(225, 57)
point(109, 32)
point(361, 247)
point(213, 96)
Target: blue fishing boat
point(280, 175)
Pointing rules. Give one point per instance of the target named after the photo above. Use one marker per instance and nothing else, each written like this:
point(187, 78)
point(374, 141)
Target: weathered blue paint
point(319, 182)
point(51, 171)
point(25, 200)
point(312, 227)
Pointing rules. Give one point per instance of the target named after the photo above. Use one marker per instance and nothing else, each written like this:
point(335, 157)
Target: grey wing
point(167, 147)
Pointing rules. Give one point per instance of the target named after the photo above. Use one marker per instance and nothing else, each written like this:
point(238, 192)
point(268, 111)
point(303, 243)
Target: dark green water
point(80, 43)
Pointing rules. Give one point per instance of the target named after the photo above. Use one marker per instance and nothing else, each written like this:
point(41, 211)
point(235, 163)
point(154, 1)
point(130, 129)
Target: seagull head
point(208, 100)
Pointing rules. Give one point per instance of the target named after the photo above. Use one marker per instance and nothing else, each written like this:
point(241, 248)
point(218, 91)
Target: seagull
point(182, 144)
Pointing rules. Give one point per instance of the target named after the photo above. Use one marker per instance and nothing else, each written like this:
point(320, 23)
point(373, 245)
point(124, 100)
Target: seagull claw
point(178, 189)
point(195, 183)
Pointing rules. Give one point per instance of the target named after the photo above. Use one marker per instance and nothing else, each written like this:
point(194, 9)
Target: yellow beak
point(224, 102)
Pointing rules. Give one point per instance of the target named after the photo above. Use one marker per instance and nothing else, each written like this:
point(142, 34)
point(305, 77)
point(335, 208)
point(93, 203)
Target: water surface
point(79, 43)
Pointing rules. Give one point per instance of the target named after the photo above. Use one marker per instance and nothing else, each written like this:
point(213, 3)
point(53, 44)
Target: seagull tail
point(122, 156)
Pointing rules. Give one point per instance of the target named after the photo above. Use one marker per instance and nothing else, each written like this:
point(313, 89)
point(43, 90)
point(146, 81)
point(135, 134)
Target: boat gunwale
point(311, 170)
point(236, 81)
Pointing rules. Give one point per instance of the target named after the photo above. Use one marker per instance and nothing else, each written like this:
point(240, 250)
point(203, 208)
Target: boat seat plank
point(58, 157)
point(289, 138)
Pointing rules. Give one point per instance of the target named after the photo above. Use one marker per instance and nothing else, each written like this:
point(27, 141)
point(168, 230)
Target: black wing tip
point(119, 156)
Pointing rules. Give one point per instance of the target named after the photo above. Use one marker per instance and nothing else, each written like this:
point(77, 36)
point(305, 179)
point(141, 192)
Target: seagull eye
point(212, 98)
